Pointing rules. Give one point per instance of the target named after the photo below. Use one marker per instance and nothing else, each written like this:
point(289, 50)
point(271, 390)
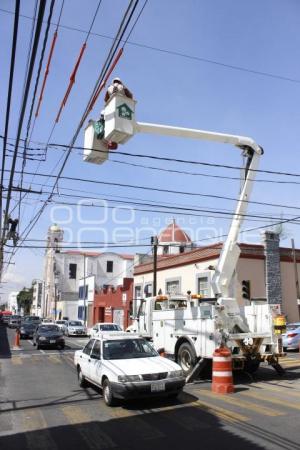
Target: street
point(42, 407)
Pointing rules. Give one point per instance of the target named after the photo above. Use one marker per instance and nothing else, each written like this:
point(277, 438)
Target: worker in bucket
point(12, 232)
point(117, 86)
point(100, 132)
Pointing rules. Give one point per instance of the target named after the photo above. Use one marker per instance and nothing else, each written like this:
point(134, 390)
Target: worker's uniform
point(117, 88)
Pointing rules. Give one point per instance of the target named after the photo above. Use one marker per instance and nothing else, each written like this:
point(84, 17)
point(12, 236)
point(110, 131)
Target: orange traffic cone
point(17, 340)
point(222, 381)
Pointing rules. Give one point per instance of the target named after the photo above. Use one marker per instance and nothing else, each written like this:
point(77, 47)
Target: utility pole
point(296, 274)
point(84, 293)
point(154, 242)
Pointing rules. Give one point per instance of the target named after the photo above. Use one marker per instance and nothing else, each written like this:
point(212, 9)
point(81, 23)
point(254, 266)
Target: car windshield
point(46, 328)
point(292, 326)
point(110, 327)
point(31, 319)
point(60, 322)
point(75, 323)
point(127, 349)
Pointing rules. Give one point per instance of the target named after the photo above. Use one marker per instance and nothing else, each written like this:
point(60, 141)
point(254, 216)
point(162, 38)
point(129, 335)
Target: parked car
point(14, 321)
point(35, 319)
point(48, 321)
point(61, 324)
point(127, 366)
point(75, 328)
point(48, 335)
point(291, 339)
point(27, 329)
point(6, 315)
point(103, 327)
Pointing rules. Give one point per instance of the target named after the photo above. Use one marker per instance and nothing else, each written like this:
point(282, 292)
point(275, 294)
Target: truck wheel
point(251, 365)
point(107, 393)
point(187, 357)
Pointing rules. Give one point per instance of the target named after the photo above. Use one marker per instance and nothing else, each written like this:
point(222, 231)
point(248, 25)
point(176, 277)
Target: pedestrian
point(117, 86)
point(12, 232)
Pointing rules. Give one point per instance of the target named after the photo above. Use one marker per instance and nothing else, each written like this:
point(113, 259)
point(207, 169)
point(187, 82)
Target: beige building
point(192, 270)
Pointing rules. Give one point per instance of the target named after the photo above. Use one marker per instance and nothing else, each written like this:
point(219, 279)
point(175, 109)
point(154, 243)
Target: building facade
point(67, 272)
point(114, 304)
point(37, 297)
point(193, 271)
point(12, 304)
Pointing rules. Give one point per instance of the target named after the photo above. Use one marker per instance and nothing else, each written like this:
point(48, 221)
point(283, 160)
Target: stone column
point(271, 242)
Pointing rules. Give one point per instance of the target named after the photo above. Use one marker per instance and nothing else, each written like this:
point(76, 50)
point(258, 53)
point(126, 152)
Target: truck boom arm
point(222, 279)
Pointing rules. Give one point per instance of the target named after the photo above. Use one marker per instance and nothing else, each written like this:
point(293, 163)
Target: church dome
point(173, 233)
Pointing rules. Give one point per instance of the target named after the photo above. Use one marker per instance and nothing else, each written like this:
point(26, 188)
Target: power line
point(181, 172)
point(122, 29)
point(34, 95)
point(168, 191)
point(184, 161)
point(8, 104)
point(178, 54)
point(22, 113)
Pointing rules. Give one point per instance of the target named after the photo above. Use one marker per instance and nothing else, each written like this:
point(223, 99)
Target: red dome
point(173, 233)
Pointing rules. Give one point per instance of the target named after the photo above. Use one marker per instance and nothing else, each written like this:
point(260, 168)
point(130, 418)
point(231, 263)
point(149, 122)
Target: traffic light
point(246, 294)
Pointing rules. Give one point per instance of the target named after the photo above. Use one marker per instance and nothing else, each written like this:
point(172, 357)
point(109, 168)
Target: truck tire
point(251, 365)
point(186, 358)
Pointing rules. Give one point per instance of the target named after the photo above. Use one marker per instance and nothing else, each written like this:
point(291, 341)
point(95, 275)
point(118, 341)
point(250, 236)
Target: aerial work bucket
point(119, 115)
point(95, 149)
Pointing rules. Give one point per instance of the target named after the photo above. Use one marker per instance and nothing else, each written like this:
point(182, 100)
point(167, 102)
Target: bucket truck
point(189, 327)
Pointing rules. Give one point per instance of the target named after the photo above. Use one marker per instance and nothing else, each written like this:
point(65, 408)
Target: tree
point(24, 299)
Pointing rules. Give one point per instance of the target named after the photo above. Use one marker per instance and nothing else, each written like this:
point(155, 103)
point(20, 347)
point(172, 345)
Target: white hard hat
point(117, 79)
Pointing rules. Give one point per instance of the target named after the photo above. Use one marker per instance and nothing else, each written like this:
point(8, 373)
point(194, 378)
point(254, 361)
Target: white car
point(75, 328)
point(103, 327)
point(127, 366)
point(61, 324)
point(48, 321)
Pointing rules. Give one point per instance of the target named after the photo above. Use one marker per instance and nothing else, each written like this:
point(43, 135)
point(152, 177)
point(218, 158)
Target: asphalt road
point(43, 408)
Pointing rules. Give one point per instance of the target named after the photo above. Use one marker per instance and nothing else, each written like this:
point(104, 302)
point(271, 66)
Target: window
point(181, 249)
point(109, 266)
point(165, 249)
point(72, 271)
point(87, 349)
point(148, 290)
point(81, 292)
point(203, 286)
point(81, 314)
point(96, 350)
point(172, 287)
point(137, 291)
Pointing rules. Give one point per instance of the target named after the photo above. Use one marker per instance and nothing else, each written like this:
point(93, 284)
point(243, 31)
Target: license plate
point(52, 341)
point(158, 387)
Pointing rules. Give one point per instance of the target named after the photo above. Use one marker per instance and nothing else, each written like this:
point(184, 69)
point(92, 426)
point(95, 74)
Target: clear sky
point(223, 65)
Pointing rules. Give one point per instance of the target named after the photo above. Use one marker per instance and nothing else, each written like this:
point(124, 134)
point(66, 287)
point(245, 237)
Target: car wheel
point(187, 358)
point(81, 379)
point(37, 346)
point(107, 393)
point(62, 346)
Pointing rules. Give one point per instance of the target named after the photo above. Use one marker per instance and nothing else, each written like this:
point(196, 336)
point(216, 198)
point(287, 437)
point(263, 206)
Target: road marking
point(276, 401)
point(229, 416)
point(55, 359)
point(92, 435)
point(33, 421)
point(281, 389)
point(264, 410)
point(42, 351)
point(16, 360)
